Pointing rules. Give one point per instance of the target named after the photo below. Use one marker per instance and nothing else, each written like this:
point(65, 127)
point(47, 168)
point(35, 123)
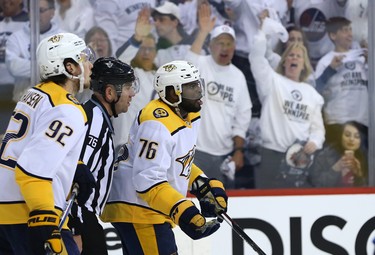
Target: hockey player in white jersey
point(148, 195)
point(40, 151)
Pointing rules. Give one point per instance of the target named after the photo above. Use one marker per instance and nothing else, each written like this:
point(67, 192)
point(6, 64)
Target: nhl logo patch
point(160, 113)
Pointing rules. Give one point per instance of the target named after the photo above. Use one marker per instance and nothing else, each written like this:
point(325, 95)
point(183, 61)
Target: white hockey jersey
point(156, 175)
point(40, 148)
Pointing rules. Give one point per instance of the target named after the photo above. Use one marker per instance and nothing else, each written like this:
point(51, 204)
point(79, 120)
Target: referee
point(114, 85)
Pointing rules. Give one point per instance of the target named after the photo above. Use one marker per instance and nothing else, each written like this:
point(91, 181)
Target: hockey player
point(40, 151)
point(114, 85)
point(148, 196)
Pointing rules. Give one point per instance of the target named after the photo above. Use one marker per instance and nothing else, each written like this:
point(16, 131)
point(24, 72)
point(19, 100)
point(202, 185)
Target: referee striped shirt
point(98, 153)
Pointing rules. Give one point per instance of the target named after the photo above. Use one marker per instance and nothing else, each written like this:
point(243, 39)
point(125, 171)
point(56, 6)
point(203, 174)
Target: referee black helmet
point(109, 70)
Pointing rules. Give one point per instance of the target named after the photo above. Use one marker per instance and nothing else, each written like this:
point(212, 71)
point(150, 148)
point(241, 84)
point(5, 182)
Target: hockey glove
point(211, 195)
point(191, 222)
point(86, 183)
point(74, 223)
point(43, 231)
point(123, 154)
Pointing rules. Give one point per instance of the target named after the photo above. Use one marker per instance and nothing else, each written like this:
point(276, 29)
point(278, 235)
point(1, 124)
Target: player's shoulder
point(156, 110)
point(58, 96)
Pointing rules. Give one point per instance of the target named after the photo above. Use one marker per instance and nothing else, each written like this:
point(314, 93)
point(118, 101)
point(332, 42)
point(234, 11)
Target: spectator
point(118, 17)
point(291, 109)
point(246, 22)
point(12, 18)
point(226, 113)
point(311, 17)
point(18, 48)
point(168, 26)
point(189, 13)
point(172, 44)
point(42, 146)
point(97, 39)
point(357, 13)
point(295, 34)
point(114, 85)
point(344, 163)
point(342, 80)
point(74, 16)
point(148, 196)
point(144, 68)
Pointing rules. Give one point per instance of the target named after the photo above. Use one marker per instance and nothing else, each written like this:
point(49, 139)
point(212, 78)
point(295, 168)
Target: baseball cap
point(223, 29)
point(168, 8)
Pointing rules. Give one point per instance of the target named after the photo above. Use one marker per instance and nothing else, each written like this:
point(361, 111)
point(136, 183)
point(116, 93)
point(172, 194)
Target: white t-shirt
point(18, 57)
point(76, 20)
point(118, 18)
point(346, 92)
point(7, 27)
point(226, 109)
point(290, 110)
point(247, 22)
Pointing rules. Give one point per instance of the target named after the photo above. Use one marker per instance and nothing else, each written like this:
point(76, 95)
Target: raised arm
point(206, 24)
point(143, 27)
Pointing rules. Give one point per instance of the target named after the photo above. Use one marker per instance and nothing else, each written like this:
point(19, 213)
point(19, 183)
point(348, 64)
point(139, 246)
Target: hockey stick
point(65, 214)
point(241, 233)
point(69, 205)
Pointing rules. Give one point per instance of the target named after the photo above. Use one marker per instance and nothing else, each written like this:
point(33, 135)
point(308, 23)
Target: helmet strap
point(113, 108)
point(79, 77)
point(175, 104)
point(113, 104)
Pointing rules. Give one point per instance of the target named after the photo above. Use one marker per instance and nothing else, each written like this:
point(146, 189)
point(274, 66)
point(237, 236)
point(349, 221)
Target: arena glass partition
point(34, 17)
point(267, 200)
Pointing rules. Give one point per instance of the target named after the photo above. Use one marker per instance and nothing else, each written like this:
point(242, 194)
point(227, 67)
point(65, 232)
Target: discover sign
point(281, 222)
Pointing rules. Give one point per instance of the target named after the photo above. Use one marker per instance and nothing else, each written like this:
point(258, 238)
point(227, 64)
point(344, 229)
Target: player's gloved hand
point(211, 195)
point(123, 154)
point(74, 222)
point(44, 231)
point(191, 222)
point(86, 183)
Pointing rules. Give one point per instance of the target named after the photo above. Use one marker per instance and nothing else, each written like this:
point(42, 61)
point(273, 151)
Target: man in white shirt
point(227, 107)
point(18, 48)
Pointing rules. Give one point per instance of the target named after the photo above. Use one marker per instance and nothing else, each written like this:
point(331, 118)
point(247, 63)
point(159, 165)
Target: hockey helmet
point(53, 50)
point(175, 73)
point(109, 70)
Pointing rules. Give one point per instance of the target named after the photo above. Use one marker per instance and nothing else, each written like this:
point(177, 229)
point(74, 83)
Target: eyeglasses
point(147, 49)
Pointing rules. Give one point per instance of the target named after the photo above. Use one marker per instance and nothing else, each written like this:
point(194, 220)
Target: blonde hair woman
point(291, 108)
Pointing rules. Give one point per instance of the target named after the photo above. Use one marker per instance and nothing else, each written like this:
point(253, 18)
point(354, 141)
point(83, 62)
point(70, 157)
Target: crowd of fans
point(286, 82)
